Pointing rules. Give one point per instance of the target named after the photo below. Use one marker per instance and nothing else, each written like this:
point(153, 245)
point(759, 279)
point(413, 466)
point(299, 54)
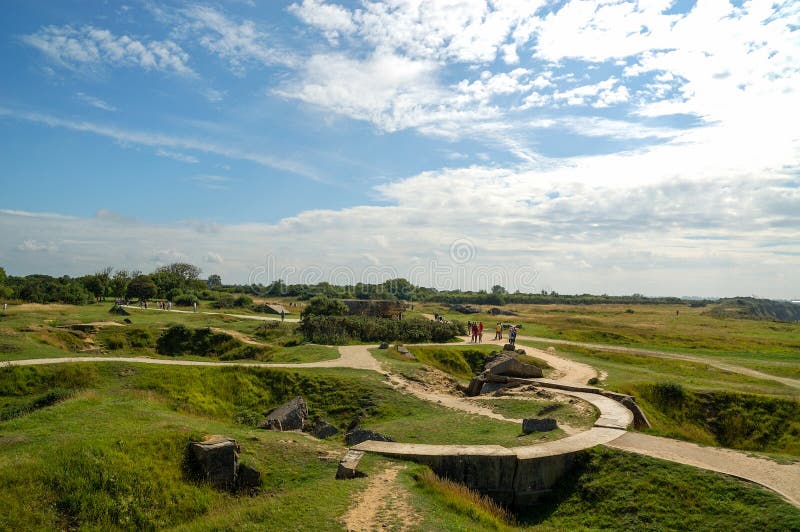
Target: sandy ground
point(382, 506)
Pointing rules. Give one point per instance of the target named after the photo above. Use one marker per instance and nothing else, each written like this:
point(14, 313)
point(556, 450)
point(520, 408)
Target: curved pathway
point(608, 430)
point(794, 383)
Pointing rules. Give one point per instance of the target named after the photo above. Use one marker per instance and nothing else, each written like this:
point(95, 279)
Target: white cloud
point(212, 182)
point(331, 19)
point(182, 157)
point(35, 245)
point(214, 258)
point(213, 95)
point(162, 141)
point(534, 229)
point(95, 102)
point(239, 43)
point(93, 47)
point(390, 91)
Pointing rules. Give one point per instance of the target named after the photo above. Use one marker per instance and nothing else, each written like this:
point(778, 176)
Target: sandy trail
point(383, 505)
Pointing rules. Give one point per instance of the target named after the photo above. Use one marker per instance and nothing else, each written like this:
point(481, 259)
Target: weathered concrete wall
point(502, 474)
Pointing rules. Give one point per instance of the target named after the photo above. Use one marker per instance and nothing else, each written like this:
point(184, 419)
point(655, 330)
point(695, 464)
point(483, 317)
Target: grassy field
point(108, 454)
point(32, 331)
point(677, 328)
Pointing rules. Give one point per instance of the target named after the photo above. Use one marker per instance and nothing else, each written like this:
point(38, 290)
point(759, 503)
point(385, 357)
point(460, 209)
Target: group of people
point(476, 331)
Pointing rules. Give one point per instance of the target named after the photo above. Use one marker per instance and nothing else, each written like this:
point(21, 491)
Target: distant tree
point(324, 306)
point(141, 287)
point(499, 290)
point(214, 281)
point(118, 285)
point(3, 276)
point(187, 272)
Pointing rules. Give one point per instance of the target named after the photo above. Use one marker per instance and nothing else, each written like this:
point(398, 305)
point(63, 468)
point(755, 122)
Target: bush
point(224, 301)
point(342, 329)
point(185, 300)
point(180, 340)
point(243, 301)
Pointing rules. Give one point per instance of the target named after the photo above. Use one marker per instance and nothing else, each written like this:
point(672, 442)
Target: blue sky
point(609, 147)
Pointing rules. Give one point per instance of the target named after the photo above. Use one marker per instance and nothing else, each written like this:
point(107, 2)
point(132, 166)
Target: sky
point(572, 146)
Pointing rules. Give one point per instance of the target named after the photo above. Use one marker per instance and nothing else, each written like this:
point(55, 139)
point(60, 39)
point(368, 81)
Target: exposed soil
point(382, 506)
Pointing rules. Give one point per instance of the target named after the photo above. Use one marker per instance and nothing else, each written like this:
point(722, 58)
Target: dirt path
point(665, 354)
point(382, 506)
point(784, 479)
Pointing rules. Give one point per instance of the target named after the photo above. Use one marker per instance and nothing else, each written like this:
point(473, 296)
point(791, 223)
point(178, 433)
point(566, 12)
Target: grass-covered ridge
point(735, 420)
point(613, 490)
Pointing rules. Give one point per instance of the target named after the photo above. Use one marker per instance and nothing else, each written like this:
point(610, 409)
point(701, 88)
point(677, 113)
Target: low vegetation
point(756, 309)
point(613, 490)
point(337, 330)
point(181, 340)
point(478, 509)
point(735, 420)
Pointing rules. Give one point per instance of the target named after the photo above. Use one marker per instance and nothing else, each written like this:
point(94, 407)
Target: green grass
point(627, 369)
point(476, 509)
point(613, 490)
point(571, 414)
point(461, 362)
point(29, 332)
point(654, 327)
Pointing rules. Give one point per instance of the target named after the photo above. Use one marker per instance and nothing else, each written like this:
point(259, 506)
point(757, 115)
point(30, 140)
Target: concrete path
point(709, 361)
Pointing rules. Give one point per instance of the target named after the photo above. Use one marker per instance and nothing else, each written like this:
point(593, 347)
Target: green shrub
point(180, 340)
point(185, 300)
point(243, 301)
point(342, 329)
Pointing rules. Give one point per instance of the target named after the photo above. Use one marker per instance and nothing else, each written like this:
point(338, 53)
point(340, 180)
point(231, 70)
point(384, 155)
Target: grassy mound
point(736, 420)
point(613, 490)
point(756, 309)
point(463, 362)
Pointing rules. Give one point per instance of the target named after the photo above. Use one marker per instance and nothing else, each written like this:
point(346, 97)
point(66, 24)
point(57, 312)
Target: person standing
point(480, 332)
point(194, 306)
point(283, 314)
point(498, 331)
point(512, 336)
point(474, 333)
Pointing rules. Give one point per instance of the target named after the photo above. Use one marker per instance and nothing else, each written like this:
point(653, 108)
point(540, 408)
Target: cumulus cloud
point(534, 230)
point(94, 47)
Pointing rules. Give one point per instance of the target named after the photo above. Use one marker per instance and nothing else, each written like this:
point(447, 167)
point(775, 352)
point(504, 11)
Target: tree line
point(180, 283)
